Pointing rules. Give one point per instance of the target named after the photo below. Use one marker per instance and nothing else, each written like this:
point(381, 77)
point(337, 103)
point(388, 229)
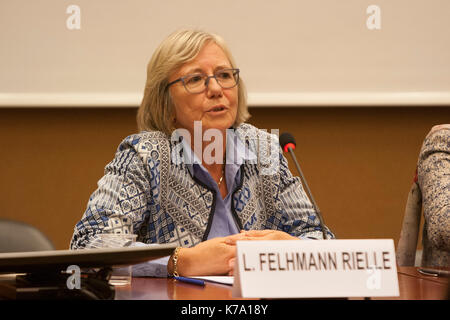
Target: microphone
point(287, 142)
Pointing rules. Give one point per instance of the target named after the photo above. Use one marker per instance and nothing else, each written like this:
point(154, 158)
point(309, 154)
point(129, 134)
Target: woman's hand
point(261, 235)
point(216, 256)
point(257, 235)
point(210, 257)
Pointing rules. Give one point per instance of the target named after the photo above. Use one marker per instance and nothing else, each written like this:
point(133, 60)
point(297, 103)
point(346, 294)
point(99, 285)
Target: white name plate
point(315, 269)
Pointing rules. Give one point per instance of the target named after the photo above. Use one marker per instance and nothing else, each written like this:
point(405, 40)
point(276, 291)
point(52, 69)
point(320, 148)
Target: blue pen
point(190, 280)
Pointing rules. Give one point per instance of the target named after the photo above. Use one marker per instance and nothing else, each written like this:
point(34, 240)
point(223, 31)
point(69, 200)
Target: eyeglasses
point(198, 82)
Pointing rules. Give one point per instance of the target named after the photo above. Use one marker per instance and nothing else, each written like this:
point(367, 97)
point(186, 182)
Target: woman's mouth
point(217, 109)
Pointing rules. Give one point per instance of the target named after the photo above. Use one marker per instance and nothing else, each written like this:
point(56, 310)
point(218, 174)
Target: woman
point(193, 92)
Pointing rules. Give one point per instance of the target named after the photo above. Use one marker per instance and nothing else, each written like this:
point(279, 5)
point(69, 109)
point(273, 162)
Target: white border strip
point(319, 99)
point(345, 99)
point(60, 100)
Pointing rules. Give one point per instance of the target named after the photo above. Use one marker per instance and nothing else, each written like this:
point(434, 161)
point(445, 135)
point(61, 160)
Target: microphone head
point(287, 140)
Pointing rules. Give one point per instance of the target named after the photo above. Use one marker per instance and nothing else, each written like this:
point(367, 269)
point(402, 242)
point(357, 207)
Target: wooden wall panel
point(359, 162)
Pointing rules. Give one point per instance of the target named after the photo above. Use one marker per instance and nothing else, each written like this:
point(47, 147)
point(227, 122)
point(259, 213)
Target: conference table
point(412, 286)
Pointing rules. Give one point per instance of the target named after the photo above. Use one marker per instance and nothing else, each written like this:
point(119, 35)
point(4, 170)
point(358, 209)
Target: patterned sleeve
point(434, 179)
point(298, 216)
point(119, 205)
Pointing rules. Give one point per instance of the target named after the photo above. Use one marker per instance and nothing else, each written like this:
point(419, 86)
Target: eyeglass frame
point(235, 72)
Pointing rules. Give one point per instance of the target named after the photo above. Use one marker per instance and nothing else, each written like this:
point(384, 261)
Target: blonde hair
point(156, 111)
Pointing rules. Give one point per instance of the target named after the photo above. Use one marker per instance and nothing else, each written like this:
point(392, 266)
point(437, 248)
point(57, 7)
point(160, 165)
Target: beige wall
point(359, 161)
point(288, 51)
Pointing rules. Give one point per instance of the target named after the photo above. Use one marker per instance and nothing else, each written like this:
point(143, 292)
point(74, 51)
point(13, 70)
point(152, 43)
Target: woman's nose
point(213, 88)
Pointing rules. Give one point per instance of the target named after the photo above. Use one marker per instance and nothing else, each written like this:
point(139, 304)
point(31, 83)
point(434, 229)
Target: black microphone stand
point(308, 192)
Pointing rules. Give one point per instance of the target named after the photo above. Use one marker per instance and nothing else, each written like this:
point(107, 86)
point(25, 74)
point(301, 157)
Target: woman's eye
point(194, 79)
point(224, 74)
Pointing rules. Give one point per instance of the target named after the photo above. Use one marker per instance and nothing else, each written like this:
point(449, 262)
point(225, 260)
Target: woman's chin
point(218, 122)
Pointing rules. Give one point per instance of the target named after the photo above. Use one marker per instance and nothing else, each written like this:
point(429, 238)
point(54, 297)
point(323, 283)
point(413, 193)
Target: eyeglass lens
point(197, 83)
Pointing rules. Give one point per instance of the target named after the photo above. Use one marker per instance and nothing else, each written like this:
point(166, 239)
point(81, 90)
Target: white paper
point(228, 280)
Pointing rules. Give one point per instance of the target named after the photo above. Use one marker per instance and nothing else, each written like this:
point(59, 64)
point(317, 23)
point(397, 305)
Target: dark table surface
point(412, 284)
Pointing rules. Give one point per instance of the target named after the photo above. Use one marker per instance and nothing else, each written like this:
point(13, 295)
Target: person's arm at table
point(210, 257)
point(120, 204)
point(434, 180)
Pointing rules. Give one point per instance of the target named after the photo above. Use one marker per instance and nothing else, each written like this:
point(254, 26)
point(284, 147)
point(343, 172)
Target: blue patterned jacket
point(146, 192)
